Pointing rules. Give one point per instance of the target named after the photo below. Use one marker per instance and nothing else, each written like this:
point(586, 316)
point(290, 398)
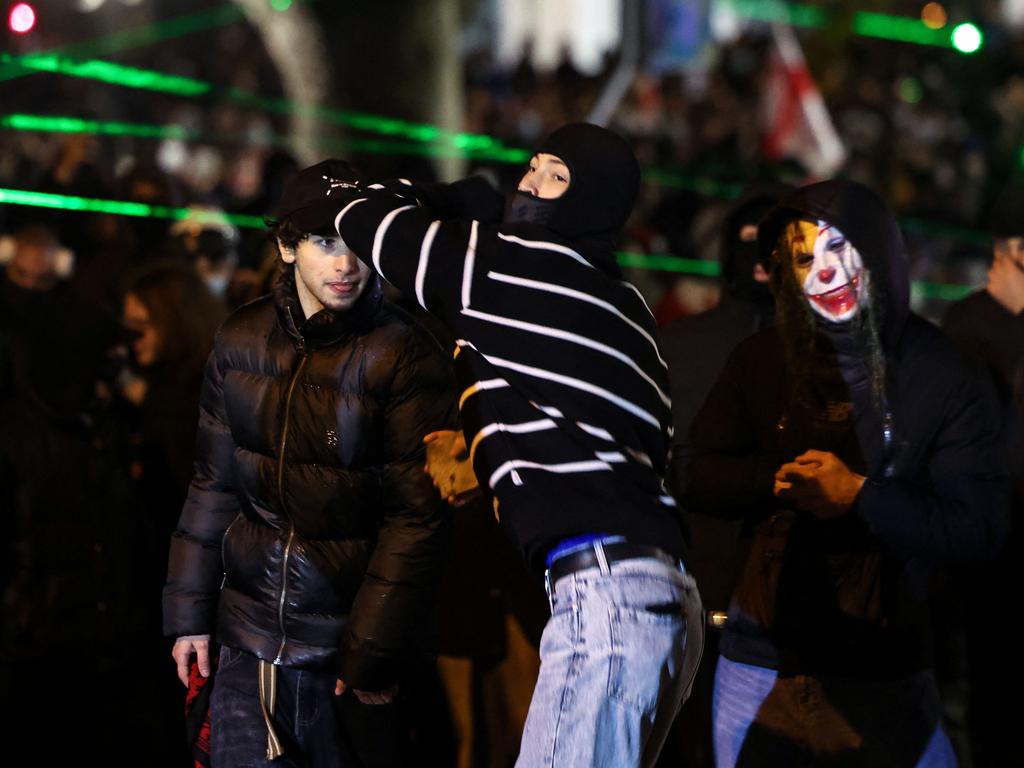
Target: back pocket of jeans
point(646, 650)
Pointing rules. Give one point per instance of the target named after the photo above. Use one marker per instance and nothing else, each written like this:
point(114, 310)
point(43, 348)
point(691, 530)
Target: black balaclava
point(605, 179)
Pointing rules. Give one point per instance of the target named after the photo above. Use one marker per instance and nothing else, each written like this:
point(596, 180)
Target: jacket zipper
point(284, 508)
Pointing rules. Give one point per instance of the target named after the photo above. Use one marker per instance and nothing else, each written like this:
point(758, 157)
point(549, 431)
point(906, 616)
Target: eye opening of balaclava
point(605, 180)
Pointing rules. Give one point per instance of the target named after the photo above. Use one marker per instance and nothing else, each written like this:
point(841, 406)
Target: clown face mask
point(827, 267)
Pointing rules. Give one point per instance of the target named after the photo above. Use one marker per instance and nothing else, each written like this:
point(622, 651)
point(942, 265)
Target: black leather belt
point(614, 552)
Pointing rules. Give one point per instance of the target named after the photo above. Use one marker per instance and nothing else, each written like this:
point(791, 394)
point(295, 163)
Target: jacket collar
point(325, 327)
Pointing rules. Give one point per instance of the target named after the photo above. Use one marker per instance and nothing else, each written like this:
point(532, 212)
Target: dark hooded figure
point(859, 450)
point(696, 348)
point(566, 412)
point(988, 326)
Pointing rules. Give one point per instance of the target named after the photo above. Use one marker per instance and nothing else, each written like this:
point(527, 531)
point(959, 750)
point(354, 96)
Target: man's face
point(1011, 248)
point(828, 268)
point(327, 274)
point(136, 317)
point(34, 265)
point(547, 177)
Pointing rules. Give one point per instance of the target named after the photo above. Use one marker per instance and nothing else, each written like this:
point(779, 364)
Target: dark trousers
point(317, 728)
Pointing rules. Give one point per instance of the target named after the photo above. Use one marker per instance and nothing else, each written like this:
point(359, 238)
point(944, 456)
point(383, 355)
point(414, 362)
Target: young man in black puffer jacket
point(311, 540)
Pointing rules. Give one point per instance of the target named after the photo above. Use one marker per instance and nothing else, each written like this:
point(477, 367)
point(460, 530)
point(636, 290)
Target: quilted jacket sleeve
point(195, 568)
point(396, 596)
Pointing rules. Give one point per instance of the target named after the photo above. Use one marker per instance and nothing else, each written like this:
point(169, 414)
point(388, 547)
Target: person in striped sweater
point(565, 407)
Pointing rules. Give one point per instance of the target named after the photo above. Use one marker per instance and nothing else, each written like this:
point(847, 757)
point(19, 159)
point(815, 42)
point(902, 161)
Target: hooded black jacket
point(848, 596)
point(311, 535)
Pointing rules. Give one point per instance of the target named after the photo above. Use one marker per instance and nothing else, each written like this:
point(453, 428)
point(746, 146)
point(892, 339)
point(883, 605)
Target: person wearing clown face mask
point(865, 453)
point(566, 413)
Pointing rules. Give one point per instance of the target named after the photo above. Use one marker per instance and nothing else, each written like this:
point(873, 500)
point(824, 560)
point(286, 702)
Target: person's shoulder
point(395, 327)
point(973, 306)
point(249, 322)
point(928, 354)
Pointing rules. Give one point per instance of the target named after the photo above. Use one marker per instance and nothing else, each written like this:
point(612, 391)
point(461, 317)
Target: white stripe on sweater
point(604, 434)
point(568, 381)
point(421, 267)
point(382, 229)
point(343, 211)
point(540, 425)
point(480, 386)
point(575, 338)
point(561, 469)
point(581, 296)
point(467, 267)
point(543, 245)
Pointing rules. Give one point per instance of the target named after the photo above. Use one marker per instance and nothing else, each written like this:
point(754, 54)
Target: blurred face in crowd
point(747, 236)
point(327, 274)
point(828, 268)
point(547, 177)
point(1011, 248)
point(34, 265)
point(136, 317)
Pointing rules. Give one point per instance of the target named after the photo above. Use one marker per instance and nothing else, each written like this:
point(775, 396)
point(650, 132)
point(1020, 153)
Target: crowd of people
point(233, 422)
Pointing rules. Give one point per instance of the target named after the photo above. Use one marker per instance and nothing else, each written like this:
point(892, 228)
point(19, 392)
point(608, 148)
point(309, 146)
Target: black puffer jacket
point(310, 531)
point(847, 596)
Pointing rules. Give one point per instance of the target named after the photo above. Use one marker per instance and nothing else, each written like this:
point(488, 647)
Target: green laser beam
point(703, 185)
point(109, 72)
point(138, 37)
point(65, 124)
point(118, 207)
point(655, 262)
point(883, 26)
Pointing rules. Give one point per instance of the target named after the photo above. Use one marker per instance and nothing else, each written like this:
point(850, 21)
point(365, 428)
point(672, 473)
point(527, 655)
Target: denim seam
point(571, 671)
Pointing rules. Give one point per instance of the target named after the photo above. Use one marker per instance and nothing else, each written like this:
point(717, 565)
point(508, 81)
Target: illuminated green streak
point(108, 72)
point(943, 291)
point(11, 67)
point(777, 12)
point(117, 207)
point(900, 28)
point(669, 264)
point(63, 124)
point(22, 122)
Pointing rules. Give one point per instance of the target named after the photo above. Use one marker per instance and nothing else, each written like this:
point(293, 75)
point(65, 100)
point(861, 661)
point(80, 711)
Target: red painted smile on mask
point(839, 300)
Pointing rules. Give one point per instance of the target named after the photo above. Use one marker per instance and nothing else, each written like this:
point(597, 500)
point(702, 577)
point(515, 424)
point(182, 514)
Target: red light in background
point(22, 19)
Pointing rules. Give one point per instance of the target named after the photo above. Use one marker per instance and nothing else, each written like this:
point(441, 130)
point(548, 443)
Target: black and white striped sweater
point(564, 399)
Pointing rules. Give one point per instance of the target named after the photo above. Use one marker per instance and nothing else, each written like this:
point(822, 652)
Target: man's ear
point(287, 254)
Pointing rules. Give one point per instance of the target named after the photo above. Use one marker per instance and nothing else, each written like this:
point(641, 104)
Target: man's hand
point(448, 464)
point(1006, 283)
point(182, 652)
point(820, 483)
point(368, 697)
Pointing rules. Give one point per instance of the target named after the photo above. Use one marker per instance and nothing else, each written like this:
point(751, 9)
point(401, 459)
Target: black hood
point(605, 179)
point(868, 224)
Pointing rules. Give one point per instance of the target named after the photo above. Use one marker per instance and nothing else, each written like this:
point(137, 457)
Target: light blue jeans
point(618, 658)
point(764, 721)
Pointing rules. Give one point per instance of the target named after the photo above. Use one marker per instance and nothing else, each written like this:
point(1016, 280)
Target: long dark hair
point(184, 312)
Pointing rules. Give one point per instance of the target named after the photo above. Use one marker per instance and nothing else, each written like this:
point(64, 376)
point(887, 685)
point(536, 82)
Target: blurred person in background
point(988, 326)
point(566, 415)
point(208, 242)
point(311, 541)
point(173, 317)
point(696, 348)
point(859, 450)
point(69, 619)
